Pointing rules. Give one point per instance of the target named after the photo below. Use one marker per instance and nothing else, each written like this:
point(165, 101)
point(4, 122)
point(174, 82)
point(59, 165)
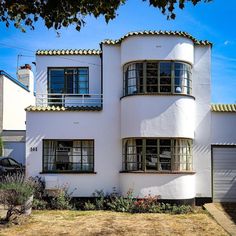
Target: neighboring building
point(15, 96)
point(135, 115)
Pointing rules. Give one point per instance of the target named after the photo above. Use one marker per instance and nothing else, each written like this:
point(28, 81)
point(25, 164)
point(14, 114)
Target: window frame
point(173, 163)
point(172, 78)
point(65, 82)
point(92, 171)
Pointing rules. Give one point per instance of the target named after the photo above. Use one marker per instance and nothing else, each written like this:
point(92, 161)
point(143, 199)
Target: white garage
point(224, 173)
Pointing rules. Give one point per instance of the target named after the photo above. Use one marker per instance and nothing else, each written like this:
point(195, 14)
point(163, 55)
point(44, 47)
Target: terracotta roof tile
point(223, 107)
point(154, 32)
point(53, 52)
point(58, 108)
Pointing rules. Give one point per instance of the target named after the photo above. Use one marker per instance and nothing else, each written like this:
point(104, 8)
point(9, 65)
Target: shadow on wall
point(230, 209)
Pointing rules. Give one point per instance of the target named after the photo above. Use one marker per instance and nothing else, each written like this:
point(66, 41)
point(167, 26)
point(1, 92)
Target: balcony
point(70, 101)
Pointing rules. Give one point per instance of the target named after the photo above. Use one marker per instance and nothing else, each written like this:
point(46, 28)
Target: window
point(162, 77)
point(152, 154)
point(68, 80)
point(68, 155)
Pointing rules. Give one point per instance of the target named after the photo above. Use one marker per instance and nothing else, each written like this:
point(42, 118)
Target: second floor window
point(157, 77)
point(68, 80)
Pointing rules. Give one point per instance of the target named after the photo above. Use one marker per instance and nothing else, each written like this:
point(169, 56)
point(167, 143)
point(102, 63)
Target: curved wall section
point(156, 48)
point(157, 116)
point(167, 186)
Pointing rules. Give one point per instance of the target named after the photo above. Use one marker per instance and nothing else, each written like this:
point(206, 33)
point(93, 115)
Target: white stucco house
point(15, 96)
point(134, 115)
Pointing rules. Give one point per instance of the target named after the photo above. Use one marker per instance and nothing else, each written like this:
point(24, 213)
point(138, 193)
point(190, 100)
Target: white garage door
point(224, 174)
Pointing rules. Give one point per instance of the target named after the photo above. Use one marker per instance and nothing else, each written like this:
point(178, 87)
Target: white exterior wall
point(82, 125)
point(202, 138)
point(223, 128)
point(157, 116)
point(131, 116)
point(91, 61)
point(166, 186)
point(157, 48)
point(15, 100)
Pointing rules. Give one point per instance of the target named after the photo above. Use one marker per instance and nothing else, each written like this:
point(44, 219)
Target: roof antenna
point(17, 63)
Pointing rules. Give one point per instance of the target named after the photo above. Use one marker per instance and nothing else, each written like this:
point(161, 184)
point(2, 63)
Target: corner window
point(162, 154)
point(157, 77)
point(68, 155)
point(68, 80)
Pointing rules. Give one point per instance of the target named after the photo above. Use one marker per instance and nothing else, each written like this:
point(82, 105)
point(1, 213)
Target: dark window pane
point(63, 155)
point(165, 69)
point(68, 80)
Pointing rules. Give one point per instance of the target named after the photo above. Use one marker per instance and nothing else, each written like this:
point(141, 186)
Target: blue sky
point(214, 22)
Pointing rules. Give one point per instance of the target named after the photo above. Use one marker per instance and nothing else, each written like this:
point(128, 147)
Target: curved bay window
point(157, 154)
point(162, 77)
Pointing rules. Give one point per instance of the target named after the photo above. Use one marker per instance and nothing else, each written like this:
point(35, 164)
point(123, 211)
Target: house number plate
point(33, 149)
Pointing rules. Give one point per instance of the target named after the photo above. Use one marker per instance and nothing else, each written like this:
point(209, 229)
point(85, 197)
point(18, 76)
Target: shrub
point(15, 191)
point(39, 204)
point(61, 200)
point(148, 204)
point(88, 206)
point(181, 209)
point(120, 203)
point(100, 201)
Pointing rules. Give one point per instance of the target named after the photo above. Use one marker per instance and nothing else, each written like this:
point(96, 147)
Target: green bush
point(15, 190)
point(61, 200)
point(120, 203)
point(88, 206)
point(149, 204)
point(100, 201)
point(39, 204)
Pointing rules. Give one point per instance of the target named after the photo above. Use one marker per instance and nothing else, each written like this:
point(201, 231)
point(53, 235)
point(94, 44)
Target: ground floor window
point(68, 155)
point(157, 154)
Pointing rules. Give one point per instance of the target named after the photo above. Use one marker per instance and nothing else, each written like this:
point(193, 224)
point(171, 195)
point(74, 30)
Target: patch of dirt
point(112, 223)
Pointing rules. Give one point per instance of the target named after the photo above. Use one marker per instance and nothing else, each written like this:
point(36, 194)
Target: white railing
point(69, 100)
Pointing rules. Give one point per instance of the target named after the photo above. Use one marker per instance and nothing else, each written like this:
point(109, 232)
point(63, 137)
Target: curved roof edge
point(223, 107)
point(62, 52)
point(154, 32)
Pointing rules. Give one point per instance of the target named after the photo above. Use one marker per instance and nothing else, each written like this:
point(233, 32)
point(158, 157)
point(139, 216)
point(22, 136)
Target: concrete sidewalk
point(221, 218)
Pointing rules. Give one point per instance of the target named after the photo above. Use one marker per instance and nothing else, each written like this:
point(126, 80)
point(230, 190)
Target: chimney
point(26, 77)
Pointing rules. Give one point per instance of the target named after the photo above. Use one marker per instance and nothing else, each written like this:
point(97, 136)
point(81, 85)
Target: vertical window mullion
point(81, 158)
point(144, 154)
point(172, 162)
point(76, 88)
point(172, 77)
point(145, 77)
point(65, 81)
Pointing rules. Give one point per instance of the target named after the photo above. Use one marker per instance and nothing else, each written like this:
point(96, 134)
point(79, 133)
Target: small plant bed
point(130, 204)
point(114, 223)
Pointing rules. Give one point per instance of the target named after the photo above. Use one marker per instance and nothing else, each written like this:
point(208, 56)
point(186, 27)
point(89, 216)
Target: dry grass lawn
point(113, 223)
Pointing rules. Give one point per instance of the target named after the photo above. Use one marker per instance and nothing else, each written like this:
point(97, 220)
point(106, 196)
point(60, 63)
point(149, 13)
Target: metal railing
point(69, 100)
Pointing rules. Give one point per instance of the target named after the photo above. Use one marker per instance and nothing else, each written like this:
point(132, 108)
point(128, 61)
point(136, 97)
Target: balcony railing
point(69, 100)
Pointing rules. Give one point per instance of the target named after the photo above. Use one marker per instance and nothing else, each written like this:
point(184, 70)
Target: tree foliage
point(62, 13)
